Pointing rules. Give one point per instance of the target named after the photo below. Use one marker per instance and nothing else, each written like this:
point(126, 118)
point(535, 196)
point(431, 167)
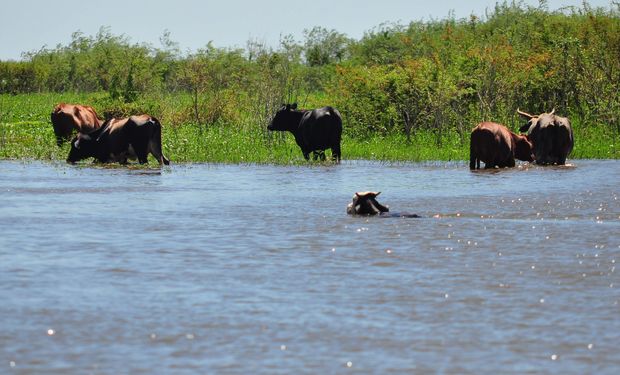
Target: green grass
point(26, 133)
point(221, 144)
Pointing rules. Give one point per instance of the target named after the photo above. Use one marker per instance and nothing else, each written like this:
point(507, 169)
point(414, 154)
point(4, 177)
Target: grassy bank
point(26, 133)
point(190, 143)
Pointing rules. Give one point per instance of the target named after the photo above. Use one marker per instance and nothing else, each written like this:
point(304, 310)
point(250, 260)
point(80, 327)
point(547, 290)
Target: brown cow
point(120, 139)
point(497, 146)
point(551, 136)
point(66, 117)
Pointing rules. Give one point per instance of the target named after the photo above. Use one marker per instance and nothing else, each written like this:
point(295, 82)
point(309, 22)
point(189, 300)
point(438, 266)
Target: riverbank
point(26, 133)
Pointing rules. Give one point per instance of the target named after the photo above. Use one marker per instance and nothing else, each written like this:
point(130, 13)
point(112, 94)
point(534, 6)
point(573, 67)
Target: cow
point(365, 203)
point(120, 139)
point(497, 146)
point(314, 130)
point(551, 136)
point(67, 117)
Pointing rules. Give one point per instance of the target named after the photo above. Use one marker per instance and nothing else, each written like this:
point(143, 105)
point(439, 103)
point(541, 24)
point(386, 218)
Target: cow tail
point(156, 142)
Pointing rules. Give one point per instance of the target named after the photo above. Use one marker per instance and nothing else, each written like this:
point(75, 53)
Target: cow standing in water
point(68, 117)
point(497, 146)
point(551, 136)
point(120, 139)
point(314, 130)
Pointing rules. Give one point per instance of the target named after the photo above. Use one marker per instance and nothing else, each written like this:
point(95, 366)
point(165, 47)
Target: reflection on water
point(258, 269)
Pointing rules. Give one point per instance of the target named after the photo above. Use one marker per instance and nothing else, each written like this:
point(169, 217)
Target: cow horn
point(524, 114)
point(552, 111)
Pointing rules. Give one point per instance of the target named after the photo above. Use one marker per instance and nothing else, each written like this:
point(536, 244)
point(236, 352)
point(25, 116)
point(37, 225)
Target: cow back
point(321, 128)
point(67, 118)
point(495, 145)
point(552, 137)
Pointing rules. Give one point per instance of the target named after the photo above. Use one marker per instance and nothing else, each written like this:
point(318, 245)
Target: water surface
point(257, 269)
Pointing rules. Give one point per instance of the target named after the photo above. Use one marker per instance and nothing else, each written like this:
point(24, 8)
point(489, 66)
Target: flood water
point(203, 269)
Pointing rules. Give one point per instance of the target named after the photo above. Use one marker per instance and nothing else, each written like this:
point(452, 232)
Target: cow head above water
point(286, 119)
point(365, 203)
point(80, 148)
point(524, 150)
point(531, 120)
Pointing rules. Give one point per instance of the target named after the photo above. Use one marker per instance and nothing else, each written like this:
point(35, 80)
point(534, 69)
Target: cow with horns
point(551, 136)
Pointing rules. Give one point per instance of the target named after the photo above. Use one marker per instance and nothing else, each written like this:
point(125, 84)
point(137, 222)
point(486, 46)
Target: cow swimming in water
point(365, 204)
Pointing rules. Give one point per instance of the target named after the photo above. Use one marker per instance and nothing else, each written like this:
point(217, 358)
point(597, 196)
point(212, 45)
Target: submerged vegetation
point(406, 92)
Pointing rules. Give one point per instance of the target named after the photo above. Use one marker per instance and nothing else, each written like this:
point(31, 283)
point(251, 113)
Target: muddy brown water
point(207, 269)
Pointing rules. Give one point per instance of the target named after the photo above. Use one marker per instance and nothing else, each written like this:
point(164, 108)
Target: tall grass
point(26, 133)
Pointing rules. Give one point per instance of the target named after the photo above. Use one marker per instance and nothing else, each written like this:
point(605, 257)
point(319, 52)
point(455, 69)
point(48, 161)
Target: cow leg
point(336, 153)
point(491, 161)
point(561, 160)
point(142, 151)
point(472, 162)
point(472, 154)
point(142, 157)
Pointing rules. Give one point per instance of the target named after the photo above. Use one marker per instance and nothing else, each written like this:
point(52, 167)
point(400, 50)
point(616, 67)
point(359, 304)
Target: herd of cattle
point(547, 139)
point(114, 140)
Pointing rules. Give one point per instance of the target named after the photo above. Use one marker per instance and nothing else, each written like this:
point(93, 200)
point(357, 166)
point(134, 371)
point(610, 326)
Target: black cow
point(314, 130)
point(365, 203)
point(551, 136)
point(120, 139)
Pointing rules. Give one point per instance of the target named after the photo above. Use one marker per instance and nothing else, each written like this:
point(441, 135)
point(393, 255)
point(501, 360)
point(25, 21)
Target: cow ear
point(294, 106)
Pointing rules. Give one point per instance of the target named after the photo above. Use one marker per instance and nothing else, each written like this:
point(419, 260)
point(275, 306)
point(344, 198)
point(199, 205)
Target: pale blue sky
point(28, 25)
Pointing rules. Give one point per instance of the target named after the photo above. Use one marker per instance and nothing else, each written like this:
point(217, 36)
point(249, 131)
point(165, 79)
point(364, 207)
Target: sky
point(29, 25)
